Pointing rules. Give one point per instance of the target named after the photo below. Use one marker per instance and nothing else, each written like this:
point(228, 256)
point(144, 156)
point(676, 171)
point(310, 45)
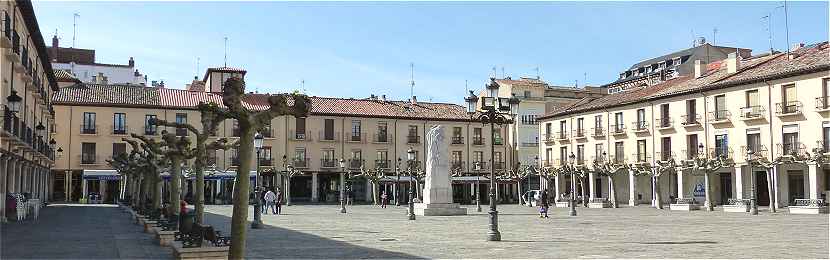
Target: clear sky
point(355, 49)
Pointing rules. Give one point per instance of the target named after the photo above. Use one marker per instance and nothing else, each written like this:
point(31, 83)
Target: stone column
point(83, 188)
point(739, 182)
point(4, 173)
point(812, 179)
point(632, 188)
point(369, 190)
point(315, 197)
point(774, 181)
point(558, 182)
point(102, 190)
point(591, 184)
point(680, 190)
point(67, 185)
point(10, 174)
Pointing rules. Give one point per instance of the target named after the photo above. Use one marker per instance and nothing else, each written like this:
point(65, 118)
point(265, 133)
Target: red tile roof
point(64, 76)
point(151, 97)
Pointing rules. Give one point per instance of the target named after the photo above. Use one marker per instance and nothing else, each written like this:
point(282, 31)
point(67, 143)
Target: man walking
point(278, 202)
point(270, 198)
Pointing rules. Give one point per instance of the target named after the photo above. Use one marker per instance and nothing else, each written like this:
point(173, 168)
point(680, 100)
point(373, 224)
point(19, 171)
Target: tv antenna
point(226, 51)
point(75, 17)
point(411, 79)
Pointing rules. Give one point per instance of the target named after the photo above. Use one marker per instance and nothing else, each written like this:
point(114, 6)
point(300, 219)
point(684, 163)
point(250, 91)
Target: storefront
point(101, 186)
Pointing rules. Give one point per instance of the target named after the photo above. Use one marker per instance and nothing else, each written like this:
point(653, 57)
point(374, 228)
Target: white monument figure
point(438, 184)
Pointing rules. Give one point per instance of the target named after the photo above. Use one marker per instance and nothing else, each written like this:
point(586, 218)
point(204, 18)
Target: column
point(315, 197)
point(812, 179)
point(83, 189)
point(10, 172)
point(680, 191)
point(591, 184)
point(4, 173)
point(102, 190)
point(774, 181)
point(739, 182)
point(632, 188)
point(557, 180)
point(369, 190)
point(67, 185)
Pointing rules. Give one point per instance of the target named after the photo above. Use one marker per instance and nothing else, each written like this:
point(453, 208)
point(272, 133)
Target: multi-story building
point(369, 133)
point(773, 104)
point(28, 83)
point(81, 64)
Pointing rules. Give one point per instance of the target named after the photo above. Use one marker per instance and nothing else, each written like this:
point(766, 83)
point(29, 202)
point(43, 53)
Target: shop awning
point(211, 175)
point(101, 175)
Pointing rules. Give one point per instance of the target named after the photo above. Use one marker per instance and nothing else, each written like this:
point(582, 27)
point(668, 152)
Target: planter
point(180, 252)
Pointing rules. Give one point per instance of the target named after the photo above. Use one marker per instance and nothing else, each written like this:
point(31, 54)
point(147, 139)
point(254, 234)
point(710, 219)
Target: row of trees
point(149, 158)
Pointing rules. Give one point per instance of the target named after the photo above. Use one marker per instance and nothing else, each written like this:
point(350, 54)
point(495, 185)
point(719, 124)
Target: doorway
point(761, 190)
point(796, 185)
point(725, 187)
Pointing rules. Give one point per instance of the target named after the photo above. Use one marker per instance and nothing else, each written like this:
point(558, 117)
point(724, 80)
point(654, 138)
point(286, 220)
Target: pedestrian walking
point(278, 202)
point(543, 205)
point(270, 200)
point(262, 201)
point(383, 199)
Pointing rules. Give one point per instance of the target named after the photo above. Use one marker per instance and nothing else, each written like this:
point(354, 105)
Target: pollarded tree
point(250, 121)
point(157, 162)
point(515, 175)
point(211, 117)
point(610, 168)
point(550, 175)
point(374, 176)
point(706, 166)
point(655, 172)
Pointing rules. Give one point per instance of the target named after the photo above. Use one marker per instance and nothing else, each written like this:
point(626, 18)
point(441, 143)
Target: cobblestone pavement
point(320, 231)
point(79, 232)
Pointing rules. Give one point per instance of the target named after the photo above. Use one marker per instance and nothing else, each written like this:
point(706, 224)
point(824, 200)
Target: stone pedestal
point(165, 237)
point(148, 226)
point(211, 252)
point(684, 207)
point(439, 209)
point(562, 204)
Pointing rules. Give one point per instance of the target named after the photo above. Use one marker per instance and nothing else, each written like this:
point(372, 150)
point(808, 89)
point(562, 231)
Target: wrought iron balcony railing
point(753, 112)
point(788, 108)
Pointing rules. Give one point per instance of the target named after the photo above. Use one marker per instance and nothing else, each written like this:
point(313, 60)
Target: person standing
point(543, 205)
point(270, 199)
point(383, 200)
point(278, 202)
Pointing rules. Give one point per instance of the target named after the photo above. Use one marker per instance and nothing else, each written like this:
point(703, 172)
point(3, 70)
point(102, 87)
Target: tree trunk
point(708, 205)
point(658, 202)
point(287, 193)
point(770, 190)
point(519, 191)
point(199, 195)
point(157, 190)
point(175, 185)
point(239, 221)
point(375, 190)
point(583, 192)
point(612, 193)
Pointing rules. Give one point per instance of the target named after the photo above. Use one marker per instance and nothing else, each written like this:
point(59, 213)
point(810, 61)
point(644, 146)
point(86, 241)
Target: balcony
point(618, 129)
point(530, 144)
point(753, 112)
point(328, 163)
point(719, 117)
point(299, 135)
point(822, 104)
point(383, 164)
point(794, 149)
point(498, 141)
point(597, 132)
point(561, 136)
point(6, 40)
point(548, 137)
point(579, 133)
point(381, 138)
point(150, 130)
point(88, 159)
point(760, 151)
point(328, 136)
point(498, 165)
point(823, 146)
point(355, 163)
point(300, 163)
point(11, 123)
point(266, 162)
point(723, 152)
point(119, 129)
point(356, 137)
point(641, 158)
point(181, 131)
point(690, 154)
point(89, 129)
point(664, 156)
point(457, 166)
point(619, 158)
point(457, 140)
point(690, 120)
point(479, 166)
point(790, 108)
point(640, 126)
point(547, 163)
point(478, 140)
point(663, 123)
point(413, 139)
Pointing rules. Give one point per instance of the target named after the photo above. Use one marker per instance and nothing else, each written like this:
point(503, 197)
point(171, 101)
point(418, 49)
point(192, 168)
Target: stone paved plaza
point(320, 231)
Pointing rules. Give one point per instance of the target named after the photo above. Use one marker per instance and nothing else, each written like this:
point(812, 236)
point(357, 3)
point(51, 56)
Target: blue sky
point(354, 49)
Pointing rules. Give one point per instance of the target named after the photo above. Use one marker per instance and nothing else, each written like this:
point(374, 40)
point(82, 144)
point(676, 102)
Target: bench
point(808, 206)
point(685, 204)
point(598, 203)
point(736, 205)
point(192, 243)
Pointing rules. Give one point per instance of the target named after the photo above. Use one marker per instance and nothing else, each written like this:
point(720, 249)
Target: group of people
point(272, 200)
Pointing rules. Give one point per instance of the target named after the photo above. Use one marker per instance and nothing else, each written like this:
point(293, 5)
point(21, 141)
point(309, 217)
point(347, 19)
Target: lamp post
point(410, 156)
point(494, 110)
point(398, 183)
point(257, 223)
point(570, 167)
point(478, 194)
point(342, 186)
point(753, 204)
point(14, 101)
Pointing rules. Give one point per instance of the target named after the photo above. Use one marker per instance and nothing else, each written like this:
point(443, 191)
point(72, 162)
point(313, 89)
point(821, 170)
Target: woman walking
point(543, 205)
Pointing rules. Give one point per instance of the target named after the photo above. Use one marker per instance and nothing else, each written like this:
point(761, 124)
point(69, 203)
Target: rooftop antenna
point(768, 19)
point(75, 16)
point(226, 51)
point(465, 86)
point(714, 35)
point(585, 78)
point(502, 73)
point(494, 72)
point(197, 66)
point(537, 73)
point(787, 26)
point(302, 85)
point(694, 41)
point(411, 79)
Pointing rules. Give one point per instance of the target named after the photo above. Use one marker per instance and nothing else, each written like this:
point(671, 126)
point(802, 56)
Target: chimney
point(700, 68)
point(732, 63)
point(131, 62)
point(100, 78)
point(414, 100)
point(797, 46)
point(383, 97)
point(55, 42)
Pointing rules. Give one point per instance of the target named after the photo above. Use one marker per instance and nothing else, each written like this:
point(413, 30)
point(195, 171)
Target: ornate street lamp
point(342, 186)
point(14, 101)
point(59, 152)
point(40, 130)
point(570, 167)
point(52, 144)
point(753, 203)
point(257, 223)
point(494, 111)
point(410, 156)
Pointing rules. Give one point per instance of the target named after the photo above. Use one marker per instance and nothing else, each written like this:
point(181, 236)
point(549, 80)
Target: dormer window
point(676, 61)
point(622, 75)
point(648, 69)
point(661, 65)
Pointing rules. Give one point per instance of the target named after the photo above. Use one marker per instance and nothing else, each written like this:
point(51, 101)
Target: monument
point(438, 184)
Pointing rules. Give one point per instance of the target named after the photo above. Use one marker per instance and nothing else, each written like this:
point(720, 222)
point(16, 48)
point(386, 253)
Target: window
point(456, 157)
point(825, 137)
point(548, 157)
point(300, 158)
point(119, 148)
point(721, 146)
point(563, 132)
point(356, 133)
point(265, 156)
point(456, 135)
point(181, 118)
point(88, 126)
point(382, 132)
point(642, 153)
point(563, 155)
point(327, 160)
point(691, 147)
point(477, 139)
point(478, 156)
point(265, 131)
point(664, 116)
point(641, 119)
point(598, 151)
point(676, 61)
point(619, 124)
point(598, 129)
point(665, 149)
point(821, 102)
point(619, 152)
point(580, 124)
point(382, 159)
point(328, 129)
point(691, 113)
point(788, 98)
point(580, 154)
point(235, 130)
point(791, 143)
point(753, 142)
point(497, 136)
point(720, 107)
point(119, 123)
point(88, 153)
point(357, 159)
point(412, 137)
point(527, 93)
point(548, 130)
point(299, 133)
point(150, 129)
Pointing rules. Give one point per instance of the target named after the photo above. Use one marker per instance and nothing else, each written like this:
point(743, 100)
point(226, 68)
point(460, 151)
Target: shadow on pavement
point(275, 242)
